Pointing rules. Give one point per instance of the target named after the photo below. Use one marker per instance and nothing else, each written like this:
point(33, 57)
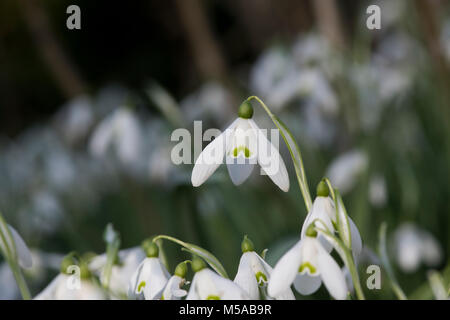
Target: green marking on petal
point(309, 266)
point(240, 149)
point(141, 286)
point(211, 297)
point(162, 297)
point(261, 277)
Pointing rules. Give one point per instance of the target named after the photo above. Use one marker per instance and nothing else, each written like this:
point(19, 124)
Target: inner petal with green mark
point(212, 297)
point(141, 286)
point(239, 149)
point(309, 266)
point(261, 278)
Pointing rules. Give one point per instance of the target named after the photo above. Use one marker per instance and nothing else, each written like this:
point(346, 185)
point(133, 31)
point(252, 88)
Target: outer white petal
point(155, 276)
point(331, 274)
point(245, 277)
point(209, 283)
point(134, 283)
point(102, 137)
point(23, 253)
point(172, 290)
point(356, 238)
point(49, 292)
point(270, 160)
point(205, 165)
point(306, 284)
point(193, 294)
point(320, 210)
point(285, 271)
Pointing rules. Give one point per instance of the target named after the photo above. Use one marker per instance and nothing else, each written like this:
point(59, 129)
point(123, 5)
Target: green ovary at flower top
point(243, 144)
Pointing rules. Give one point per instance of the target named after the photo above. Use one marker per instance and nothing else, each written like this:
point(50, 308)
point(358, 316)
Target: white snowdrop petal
point(49, 292)
point(270, 160)
point(306, 284)
point(23, 253)
point(285, 271)
point(193, 294)
point(245, 277)
point(356, 238)
point(239, 168)
point(332, 275)
point(156, 278)
point(211, 157)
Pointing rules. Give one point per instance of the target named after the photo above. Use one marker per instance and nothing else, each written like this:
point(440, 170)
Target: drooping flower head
point(150, 278)
point(208, 285)
point(254, 273)
point(307, 264)
point(243, 144)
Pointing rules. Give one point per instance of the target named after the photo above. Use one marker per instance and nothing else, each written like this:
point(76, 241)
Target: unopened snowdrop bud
point(246, 110)
point(198, 264)
point(247, 245)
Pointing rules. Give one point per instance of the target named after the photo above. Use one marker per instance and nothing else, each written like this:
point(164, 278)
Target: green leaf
point(203, 253)
point(387, 266)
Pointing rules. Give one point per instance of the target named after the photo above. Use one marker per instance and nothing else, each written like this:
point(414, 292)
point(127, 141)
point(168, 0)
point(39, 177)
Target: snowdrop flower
point(324, 211)
point(414, 246)
point(254, 272)
point(307, 264)
point(14, 242)
point(173, 290)
point(208, 285)
point(123, 269)
point(345, 169)
point(243, 145)
point(120, 130)
point(150, 278)
point(71, 284)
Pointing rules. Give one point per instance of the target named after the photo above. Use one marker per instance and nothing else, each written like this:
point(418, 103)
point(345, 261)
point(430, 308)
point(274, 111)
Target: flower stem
point(296, 158)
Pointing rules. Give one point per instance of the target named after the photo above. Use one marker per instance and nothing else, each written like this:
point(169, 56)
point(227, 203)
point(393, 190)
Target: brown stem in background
point(206, 52)
point(50, 49)
point(328, 20)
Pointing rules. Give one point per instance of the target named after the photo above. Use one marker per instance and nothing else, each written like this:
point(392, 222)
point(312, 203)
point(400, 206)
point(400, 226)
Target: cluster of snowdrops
point(141, 273)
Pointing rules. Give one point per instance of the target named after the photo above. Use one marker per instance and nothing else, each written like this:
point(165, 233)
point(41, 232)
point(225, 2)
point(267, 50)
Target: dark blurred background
point(86, 117)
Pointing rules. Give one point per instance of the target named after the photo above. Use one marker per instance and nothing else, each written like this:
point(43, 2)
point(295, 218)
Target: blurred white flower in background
point(378, 191)
point(211, 101)
point(122, 270)
point(345, 169)
point(59, 289)
point(75, 118)
point(8, 285)
point(120, 131)
point(414, 246)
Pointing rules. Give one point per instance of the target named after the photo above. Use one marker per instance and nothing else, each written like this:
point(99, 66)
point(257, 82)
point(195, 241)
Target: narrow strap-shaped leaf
point(203, 253)
point(385, 261)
